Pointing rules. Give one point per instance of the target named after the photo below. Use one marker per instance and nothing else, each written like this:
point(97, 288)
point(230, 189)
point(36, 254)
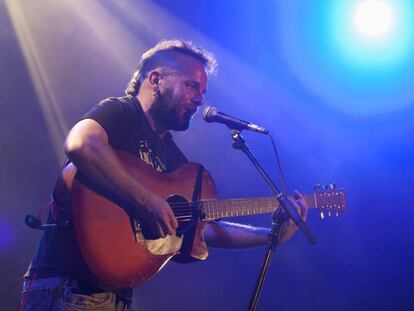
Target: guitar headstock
point(329, 200)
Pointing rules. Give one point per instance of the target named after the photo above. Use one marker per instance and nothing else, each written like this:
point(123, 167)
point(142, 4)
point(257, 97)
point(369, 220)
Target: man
point(164, 93)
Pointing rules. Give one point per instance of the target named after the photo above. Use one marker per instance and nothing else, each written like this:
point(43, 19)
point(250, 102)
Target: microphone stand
point(278, 217)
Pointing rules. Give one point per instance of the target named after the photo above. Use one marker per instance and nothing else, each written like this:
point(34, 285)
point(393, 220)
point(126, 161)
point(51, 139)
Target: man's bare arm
point(223, 234)
point(230, 235)
point(88, 148)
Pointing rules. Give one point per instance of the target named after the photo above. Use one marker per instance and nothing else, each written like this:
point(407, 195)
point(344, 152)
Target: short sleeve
point(115, 116)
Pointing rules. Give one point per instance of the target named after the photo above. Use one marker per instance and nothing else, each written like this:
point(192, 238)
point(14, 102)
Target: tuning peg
point(332, 186)
point(329, 214)
point(337, 215)
point(322, 215)
point(318, 187)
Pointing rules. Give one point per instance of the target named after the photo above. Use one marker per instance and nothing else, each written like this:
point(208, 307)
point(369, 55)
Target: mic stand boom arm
point(277, 219)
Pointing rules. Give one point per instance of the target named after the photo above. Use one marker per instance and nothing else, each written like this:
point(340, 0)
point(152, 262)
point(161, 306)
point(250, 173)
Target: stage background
point(58, 58)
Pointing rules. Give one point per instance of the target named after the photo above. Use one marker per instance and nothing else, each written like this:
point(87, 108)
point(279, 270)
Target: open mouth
point(189, 113)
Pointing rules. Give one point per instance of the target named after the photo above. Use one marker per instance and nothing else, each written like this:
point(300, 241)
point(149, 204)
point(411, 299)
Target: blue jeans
point(63, 294)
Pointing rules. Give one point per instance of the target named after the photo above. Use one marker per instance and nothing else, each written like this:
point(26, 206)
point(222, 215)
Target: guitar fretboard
point(215, 209)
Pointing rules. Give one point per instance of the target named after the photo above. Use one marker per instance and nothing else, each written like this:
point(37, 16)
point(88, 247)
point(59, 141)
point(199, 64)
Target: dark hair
point(161, 55)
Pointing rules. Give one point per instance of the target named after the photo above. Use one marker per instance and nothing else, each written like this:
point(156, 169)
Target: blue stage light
point(372, 32)
point(353, 55)
point(374, 18)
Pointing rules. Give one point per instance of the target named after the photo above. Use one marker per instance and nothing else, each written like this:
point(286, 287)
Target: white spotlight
point(374, 18)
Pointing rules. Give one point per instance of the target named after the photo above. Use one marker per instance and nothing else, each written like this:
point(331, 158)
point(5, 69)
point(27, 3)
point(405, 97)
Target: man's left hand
point(288, 228)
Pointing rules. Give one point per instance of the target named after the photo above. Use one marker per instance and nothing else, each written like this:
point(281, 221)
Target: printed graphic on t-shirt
point(146, 154)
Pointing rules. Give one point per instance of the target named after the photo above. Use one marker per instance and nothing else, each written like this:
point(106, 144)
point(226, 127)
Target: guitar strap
point(189, 235)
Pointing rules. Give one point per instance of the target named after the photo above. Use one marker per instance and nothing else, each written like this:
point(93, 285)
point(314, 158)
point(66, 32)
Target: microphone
point(210, 114)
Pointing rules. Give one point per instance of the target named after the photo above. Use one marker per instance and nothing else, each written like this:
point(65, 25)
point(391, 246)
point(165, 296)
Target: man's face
point(181, 92)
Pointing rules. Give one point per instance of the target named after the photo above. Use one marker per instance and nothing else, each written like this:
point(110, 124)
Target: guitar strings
point(178, 206)
point(187, 208)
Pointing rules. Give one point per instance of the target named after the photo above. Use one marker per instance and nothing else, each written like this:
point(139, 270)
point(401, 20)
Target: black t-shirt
point(127, 128)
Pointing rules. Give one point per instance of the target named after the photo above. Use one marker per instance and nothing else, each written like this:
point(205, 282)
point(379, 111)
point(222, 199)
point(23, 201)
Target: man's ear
point(154, 78)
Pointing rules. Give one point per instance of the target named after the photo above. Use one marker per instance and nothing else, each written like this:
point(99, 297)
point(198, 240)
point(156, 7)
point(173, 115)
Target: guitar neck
point(215, 209)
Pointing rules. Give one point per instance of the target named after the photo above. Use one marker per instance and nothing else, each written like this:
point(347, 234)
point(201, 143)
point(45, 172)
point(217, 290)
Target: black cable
point(279, 166)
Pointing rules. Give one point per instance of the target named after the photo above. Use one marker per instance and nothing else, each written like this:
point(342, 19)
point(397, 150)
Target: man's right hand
point(158, 215)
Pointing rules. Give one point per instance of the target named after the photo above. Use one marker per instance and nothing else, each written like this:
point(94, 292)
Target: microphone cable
point(279, 166)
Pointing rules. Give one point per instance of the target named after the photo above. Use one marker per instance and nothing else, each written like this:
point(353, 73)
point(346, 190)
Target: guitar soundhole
point(183, 211)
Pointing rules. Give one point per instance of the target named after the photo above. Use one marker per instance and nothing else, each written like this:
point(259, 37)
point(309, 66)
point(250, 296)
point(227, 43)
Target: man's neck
point(146, 104)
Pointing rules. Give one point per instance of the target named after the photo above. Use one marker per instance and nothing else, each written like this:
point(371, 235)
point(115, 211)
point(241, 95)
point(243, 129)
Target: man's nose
point(198, 100)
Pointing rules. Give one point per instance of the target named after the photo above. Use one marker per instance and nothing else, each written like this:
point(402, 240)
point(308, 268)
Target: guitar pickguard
point(164, 246)
point(161, 246)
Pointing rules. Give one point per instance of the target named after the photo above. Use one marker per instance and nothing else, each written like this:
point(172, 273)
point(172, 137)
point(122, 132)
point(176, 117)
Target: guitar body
point(114, 252)
point(117, 247)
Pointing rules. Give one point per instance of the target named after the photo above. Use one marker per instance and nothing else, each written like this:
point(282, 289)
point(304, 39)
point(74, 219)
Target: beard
point(166, 112)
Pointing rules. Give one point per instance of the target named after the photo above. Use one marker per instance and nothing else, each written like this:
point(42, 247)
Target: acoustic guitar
point(115, 243)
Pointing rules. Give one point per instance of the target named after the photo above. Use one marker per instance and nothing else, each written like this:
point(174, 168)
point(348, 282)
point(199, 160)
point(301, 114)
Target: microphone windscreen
point(208, 113)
